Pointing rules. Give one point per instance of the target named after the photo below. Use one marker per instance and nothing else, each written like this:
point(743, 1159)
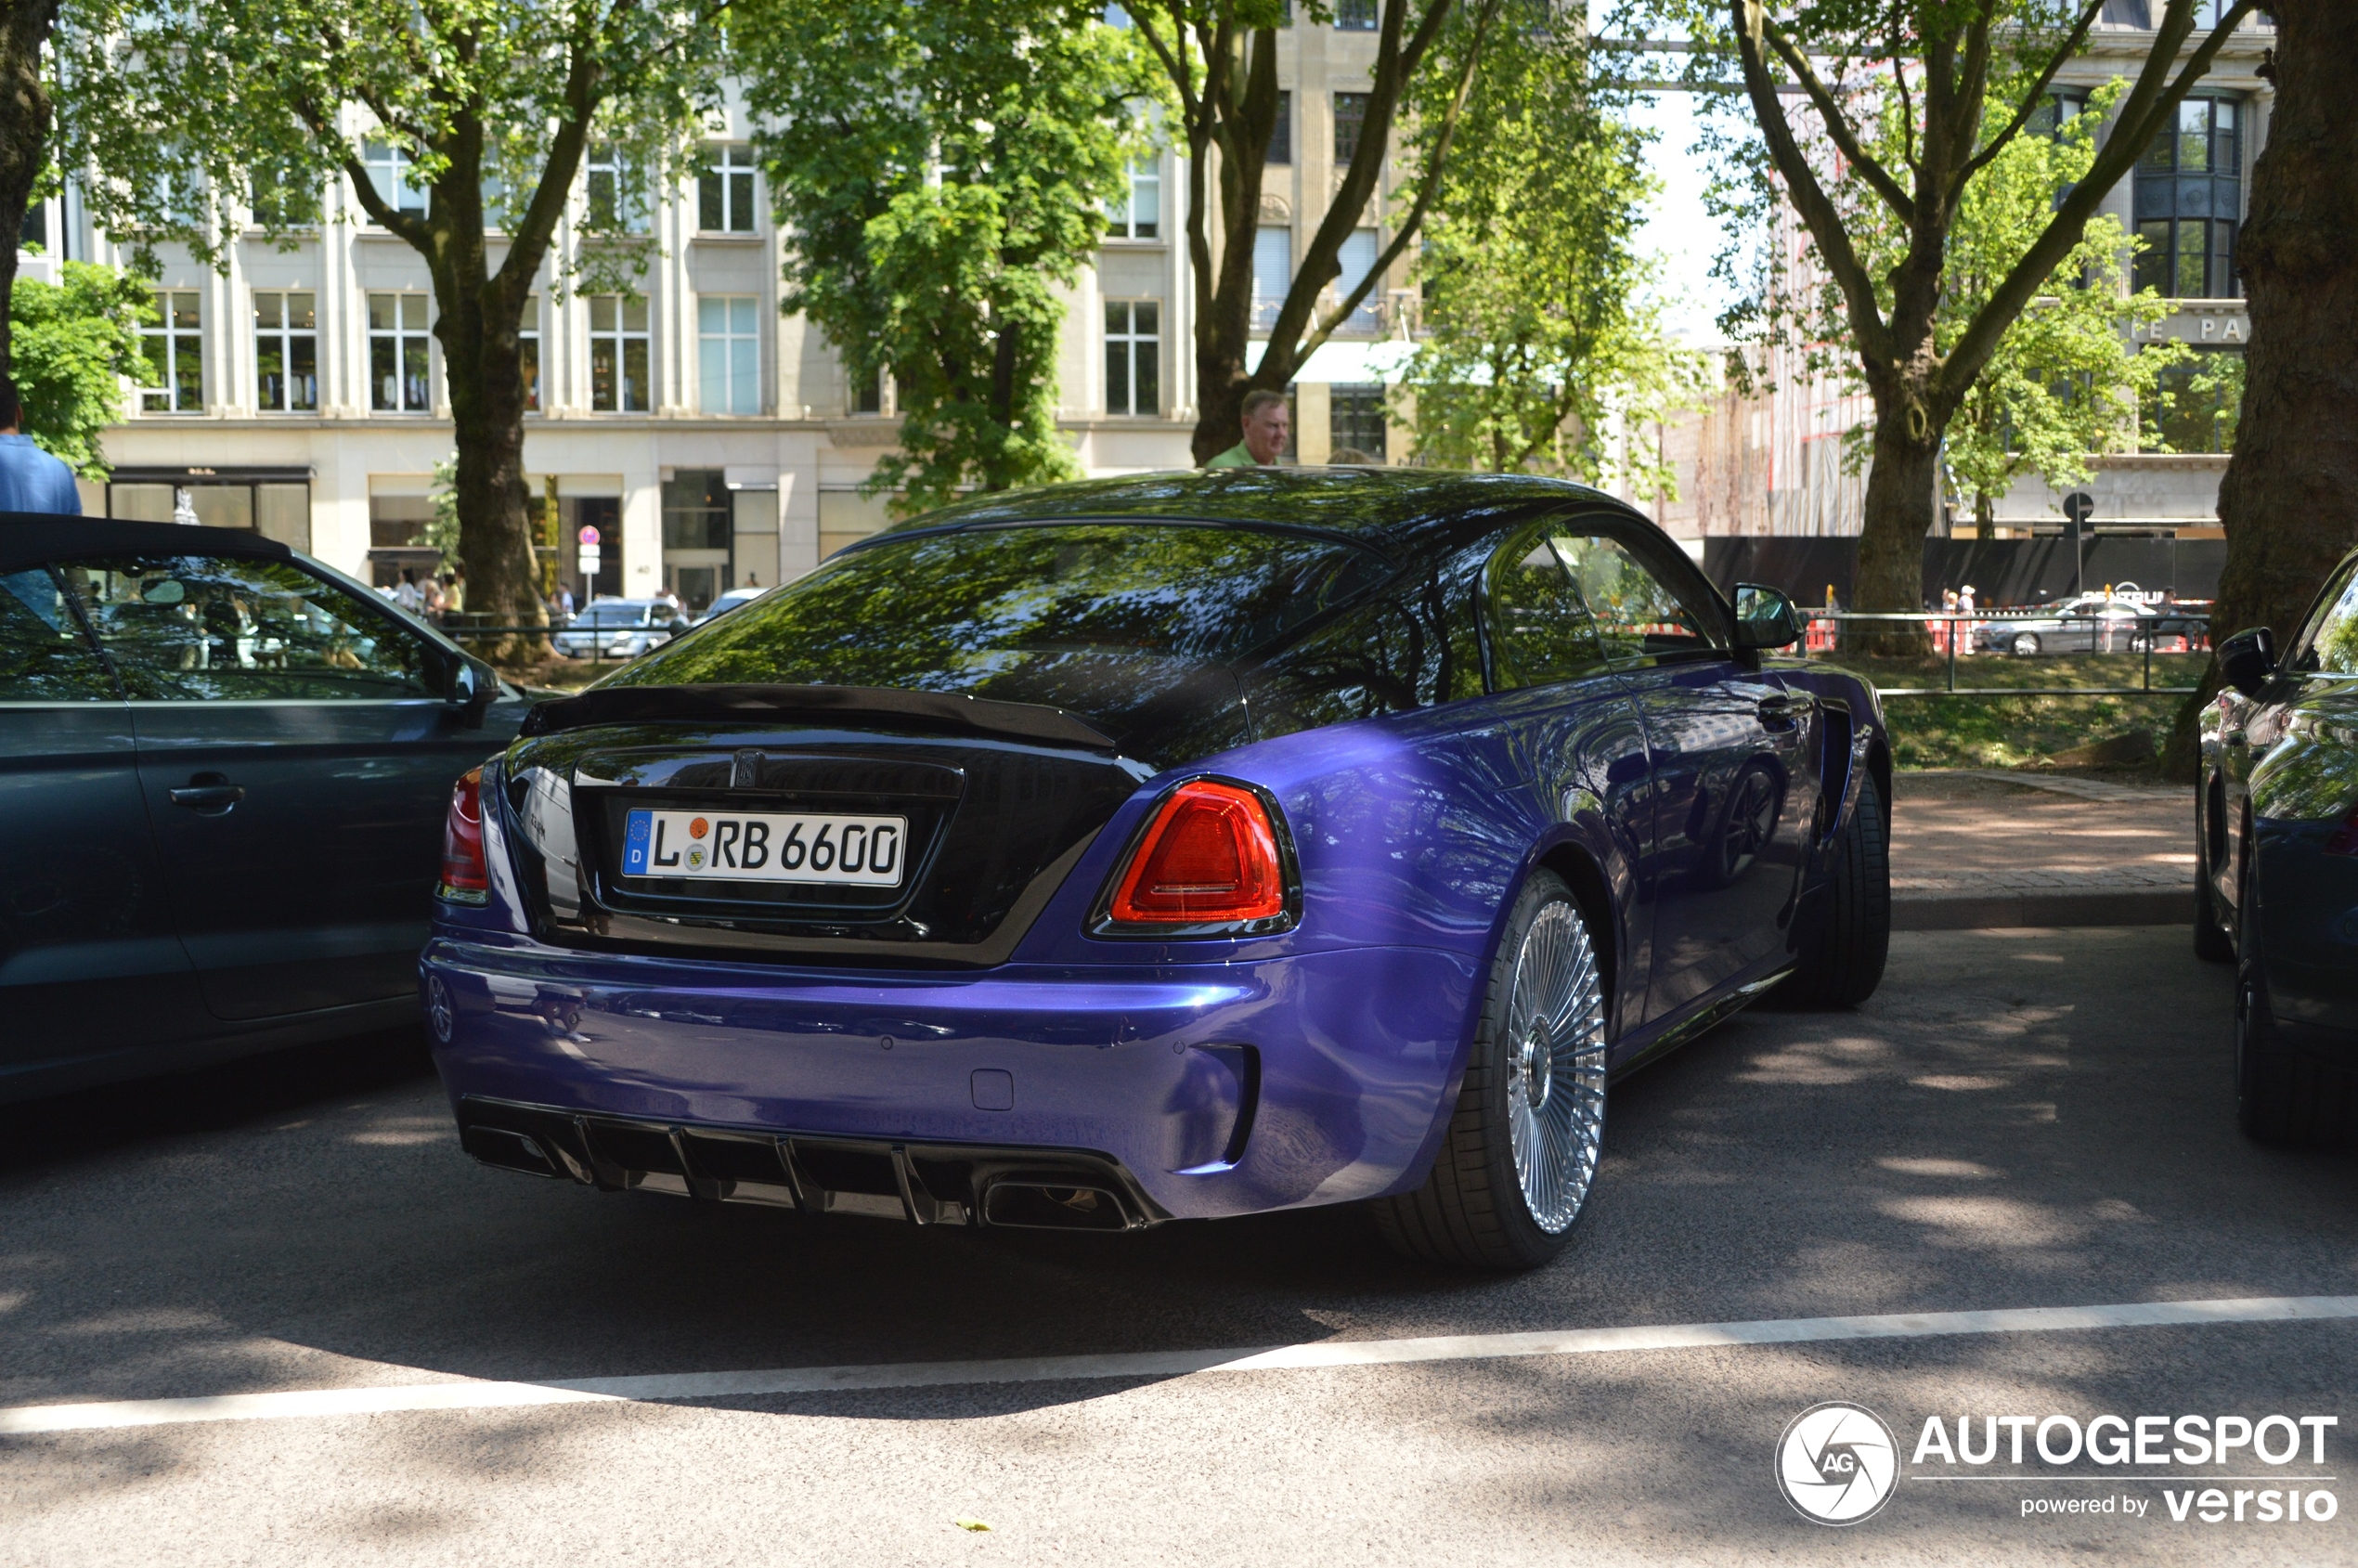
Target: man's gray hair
point(1260, 397)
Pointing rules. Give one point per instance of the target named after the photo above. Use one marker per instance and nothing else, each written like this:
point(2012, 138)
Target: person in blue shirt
point(30, 480)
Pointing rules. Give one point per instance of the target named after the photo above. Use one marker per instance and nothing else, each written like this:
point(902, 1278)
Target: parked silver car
point(2088, 623)
point(620, 629)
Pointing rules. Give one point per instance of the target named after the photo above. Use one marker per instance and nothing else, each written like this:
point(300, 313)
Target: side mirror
point(2248, 660)
point(470, 687)
point(1765, 618)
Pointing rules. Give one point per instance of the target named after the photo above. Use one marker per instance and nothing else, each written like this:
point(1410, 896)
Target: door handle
point(209, 794)
point(1785, 708)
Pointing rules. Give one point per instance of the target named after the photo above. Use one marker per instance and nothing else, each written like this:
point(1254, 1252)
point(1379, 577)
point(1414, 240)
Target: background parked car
point(2276, 890)
point(620, 629)
point(223, 770)
point(2089, 623)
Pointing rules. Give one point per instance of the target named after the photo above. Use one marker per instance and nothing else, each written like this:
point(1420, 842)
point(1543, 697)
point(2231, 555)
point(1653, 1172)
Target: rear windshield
point(993, 610)
point(612, 614)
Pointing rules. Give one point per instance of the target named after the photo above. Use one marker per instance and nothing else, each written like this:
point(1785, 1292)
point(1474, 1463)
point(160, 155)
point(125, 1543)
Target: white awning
point(1351, 361)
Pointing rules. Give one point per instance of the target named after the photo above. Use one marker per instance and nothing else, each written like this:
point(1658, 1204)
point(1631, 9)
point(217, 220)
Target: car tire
point(1512, 1180)
point(2024, 646)
point(2283, 1098)
point(2212, 944)
point(1844, 948)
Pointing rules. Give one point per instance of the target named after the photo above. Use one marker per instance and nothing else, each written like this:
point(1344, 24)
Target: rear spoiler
point(948, 711)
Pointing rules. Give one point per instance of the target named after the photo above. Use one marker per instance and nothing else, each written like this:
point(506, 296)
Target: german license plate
point(765, 846)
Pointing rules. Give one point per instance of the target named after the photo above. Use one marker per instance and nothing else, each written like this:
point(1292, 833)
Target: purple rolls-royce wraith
point(1157, 849)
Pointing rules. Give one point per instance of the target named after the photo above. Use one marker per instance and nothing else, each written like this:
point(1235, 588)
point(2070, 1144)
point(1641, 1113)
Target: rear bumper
point(1214, 1089)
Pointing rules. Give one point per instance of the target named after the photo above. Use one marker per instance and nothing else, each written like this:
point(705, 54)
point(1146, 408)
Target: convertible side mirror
point(2248, 660)
point(1765, 618)
point(469, 687)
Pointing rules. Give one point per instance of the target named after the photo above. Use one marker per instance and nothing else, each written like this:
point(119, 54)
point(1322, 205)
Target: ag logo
point(1837, 1463)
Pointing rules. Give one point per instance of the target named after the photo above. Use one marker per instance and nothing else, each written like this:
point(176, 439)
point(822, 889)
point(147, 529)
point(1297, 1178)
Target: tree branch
point(1808, 198)
point(1838, 126)
point(2029, 104)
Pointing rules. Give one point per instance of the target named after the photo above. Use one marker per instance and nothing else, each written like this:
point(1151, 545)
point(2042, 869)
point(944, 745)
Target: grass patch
point(2015, 732)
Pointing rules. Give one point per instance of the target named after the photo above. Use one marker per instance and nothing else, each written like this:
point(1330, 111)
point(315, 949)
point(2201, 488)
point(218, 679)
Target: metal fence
point(2031, 638)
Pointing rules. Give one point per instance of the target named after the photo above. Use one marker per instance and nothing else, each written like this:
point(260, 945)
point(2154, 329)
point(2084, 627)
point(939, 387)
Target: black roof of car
point(1391, 509)
point(27, 539)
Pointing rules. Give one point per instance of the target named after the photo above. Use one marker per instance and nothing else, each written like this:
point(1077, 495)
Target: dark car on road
point(223, 776)
point(2276, 891)
point(1173, 847)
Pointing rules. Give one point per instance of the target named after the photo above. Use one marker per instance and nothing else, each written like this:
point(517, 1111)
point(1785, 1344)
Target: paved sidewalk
point(1972, 850)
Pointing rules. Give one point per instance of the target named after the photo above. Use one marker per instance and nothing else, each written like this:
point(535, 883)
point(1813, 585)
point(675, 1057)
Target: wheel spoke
point(1556, 1005)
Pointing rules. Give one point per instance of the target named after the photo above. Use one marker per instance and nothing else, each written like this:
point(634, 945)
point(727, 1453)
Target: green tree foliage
point(2067, 379)
point(192, 116)
point(1541, 340)
point(942, 172)
point(1959, 82)
point(75, 343)
point(1220, 58)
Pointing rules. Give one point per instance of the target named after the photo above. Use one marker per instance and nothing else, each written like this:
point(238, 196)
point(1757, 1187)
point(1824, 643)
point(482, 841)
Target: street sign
point(589, 537)
point(2080, 506)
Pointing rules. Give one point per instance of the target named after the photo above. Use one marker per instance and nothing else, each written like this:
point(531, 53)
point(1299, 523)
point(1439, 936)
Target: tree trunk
point(1899, 513)
point(24, 133)
point(482, 362)
point(1985, 517)
point(2289, 500)
point(1223, 331)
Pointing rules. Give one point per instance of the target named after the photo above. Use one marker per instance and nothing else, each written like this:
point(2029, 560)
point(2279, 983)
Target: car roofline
point(1236, 525)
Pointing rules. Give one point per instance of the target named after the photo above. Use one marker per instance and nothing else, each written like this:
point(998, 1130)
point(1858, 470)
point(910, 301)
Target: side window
point(1640, 611)
point(198, 627)
point(2328, 643)
point(1540, 632)
point(1402, 650)
point(44, 655)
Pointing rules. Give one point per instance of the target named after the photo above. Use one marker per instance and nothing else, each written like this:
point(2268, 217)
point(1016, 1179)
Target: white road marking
point(465, 1394)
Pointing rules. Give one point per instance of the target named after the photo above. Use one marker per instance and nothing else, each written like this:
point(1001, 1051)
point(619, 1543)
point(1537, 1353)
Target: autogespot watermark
point(1838, 1463)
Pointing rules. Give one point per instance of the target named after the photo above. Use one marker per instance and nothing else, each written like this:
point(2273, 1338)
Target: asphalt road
point(2019, 1119)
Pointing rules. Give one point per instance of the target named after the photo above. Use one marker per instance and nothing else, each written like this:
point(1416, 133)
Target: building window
point(1354, 423)
point(399, 354)
point(1351, 117)
point(2189, 196)
point(1358, 259)
point(388, 164)
point(1134, 356)
point(528, 351)
point(1139, 214)
point(1354, 16)
point(867, 393)
point(285, 197)
point(286, 352)
point(619, 354)
point(1281, 136)
point(617, 197)
point(724, 192)
point(34, 233)
point(728, 354)
point(175, 342)
point(2054, 112)
point(1271, 272)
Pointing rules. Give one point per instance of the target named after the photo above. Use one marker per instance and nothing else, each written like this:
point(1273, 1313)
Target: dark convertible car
point(222, 771)
point(1176, 847)
point(2276, 835)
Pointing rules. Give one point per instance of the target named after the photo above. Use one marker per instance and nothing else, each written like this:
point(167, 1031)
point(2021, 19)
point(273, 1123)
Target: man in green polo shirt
point(1268, 425)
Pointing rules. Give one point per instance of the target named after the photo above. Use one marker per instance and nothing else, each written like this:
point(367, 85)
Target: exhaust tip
point(1053, 1206)
point(506, 1150)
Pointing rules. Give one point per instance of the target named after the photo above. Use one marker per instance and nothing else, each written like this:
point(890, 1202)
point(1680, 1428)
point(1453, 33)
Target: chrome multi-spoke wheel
point(1555, 1057)
point(1515, 1167)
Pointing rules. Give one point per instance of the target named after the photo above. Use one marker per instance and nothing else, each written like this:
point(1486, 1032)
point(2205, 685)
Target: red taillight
point(464, 877)
point(1210, 858)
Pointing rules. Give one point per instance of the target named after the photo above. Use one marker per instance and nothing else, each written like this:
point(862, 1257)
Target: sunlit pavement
point(2020, 1120)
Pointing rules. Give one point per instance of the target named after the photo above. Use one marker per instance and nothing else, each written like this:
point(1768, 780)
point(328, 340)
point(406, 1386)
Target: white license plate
point(765, 846)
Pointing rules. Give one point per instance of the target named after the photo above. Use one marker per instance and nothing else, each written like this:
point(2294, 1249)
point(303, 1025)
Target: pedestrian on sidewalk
point(30, 480)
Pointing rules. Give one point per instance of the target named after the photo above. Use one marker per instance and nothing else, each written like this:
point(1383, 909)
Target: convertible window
point(43, 657)
point(1639, 612)
point(1540, 630)
point(2329, 642)
point(198, 627)
point(1047, 613)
